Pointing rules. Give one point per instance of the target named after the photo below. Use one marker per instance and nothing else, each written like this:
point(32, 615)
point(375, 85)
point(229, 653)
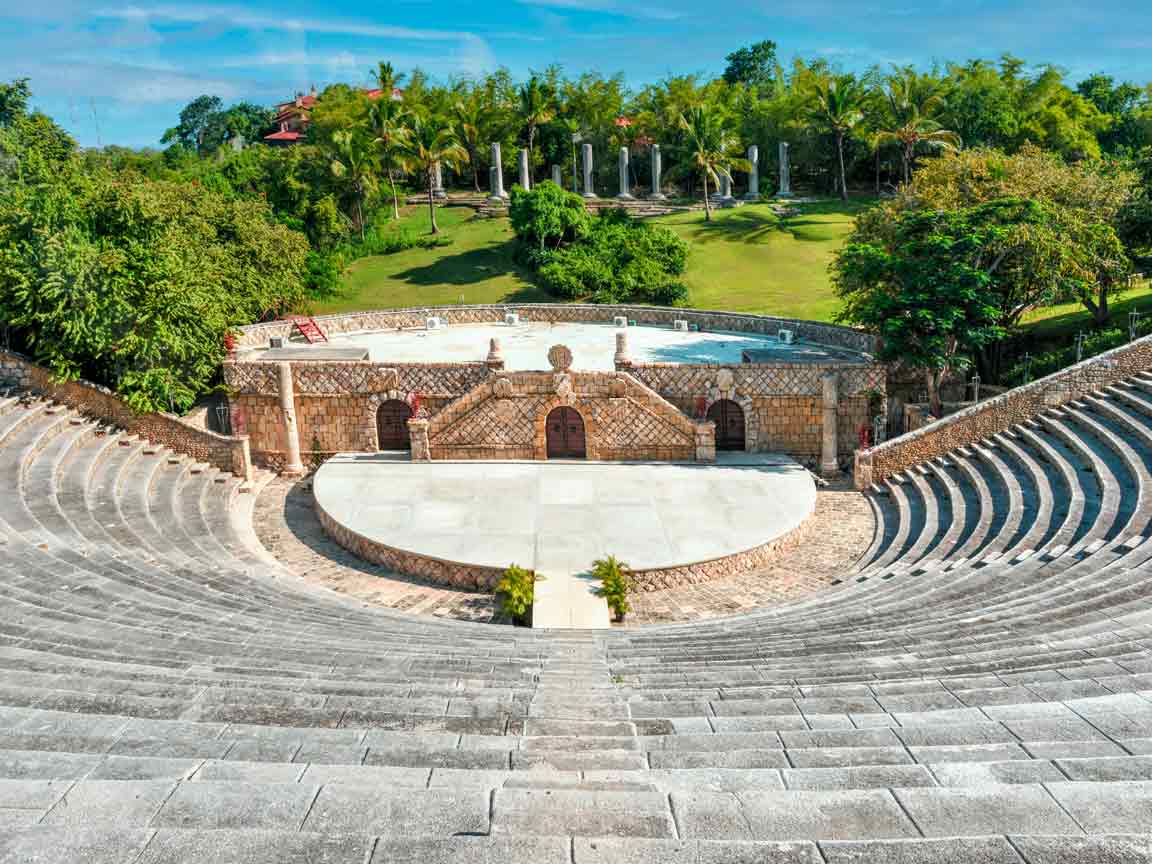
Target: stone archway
point(392, 425)
point(565, 434)
point(728, 416)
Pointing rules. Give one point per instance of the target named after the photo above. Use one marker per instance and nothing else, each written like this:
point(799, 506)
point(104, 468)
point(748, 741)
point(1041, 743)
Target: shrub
point(515, 592)
point(615, 583)
point(547, 215)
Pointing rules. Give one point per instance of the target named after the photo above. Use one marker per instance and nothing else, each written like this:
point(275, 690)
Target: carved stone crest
point(617, 389)
point(725, 380)
point(564, 391)
point(560, 356)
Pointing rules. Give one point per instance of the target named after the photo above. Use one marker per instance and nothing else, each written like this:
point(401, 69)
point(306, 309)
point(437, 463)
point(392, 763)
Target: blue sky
point(118, 71)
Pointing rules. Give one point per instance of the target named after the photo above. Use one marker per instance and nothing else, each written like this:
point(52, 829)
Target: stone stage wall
point(335, 402)
point(1002, 412)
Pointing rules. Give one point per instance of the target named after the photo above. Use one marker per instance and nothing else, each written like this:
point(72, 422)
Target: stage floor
point(559, 516)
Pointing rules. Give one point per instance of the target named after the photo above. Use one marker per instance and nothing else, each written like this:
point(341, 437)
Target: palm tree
point(352, 163)
point(432, 142)
point(387, 79)
point(837, 102)
point(537, 107)
point(713, 146)
point(912, 101)
point(468, 116)
point(389, 124)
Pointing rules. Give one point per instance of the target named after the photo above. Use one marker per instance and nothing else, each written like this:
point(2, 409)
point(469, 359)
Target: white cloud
point(196, 14)
point(656, 13)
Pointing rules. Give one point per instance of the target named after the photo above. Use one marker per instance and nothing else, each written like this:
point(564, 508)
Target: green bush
point(615, 583)
point(547, 215)
point(618, 259)
point(515, 592)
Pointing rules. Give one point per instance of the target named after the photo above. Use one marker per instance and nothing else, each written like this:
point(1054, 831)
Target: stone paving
point(841, 527)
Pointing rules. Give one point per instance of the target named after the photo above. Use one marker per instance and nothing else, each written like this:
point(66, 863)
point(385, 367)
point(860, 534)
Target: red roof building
point(293, 118)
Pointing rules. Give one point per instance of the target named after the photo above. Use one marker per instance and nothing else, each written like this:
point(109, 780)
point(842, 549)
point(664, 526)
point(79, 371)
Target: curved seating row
point(980, 690)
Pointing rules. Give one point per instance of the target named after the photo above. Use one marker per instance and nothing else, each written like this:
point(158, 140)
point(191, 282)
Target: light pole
point(1027, 368)
point(1079, 345)
point(975, 387)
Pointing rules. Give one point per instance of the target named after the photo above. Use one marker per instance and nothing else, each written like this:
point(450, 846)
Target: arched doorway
point(392, 425)
point(729, 419)
point(564, 430)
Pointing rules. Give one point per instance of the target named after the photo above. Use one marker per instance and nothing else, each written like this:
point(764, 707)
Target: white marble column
point(525, 176)
point(556, 178)
point(657, 194)
point(293, 467)
point(586, 151)
point(624, 195)
point(753, 193)
point(829, 450)
point(498, 195)
point(785, 173)
point(438, 182)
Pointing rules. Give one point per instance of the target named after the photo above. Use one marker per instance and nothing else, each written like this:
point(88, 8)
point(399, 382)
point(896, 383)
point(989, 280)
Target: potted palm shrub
point(515, 592)
point(615, 583)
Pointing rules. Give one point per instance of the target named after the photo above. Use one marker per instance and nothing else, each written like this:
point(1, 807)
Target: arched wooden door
point(564, 430)
point(729, 419)
point(392, 425)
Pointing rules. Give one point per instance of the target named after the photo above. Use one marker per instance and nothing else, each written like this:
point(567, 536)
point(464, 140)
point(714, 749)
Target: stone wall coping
point(226, 452)
point(991, 416)
point(255, 336)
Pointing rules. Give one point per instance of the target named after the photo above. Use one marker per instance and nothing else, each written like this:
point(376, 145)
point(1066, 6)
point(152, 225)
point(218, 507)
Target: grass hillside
point(746, 260)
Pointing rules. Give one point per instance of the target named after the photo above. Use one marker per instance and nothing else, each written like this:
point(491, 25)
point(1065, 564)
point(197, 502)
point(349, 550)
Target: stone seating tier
point(980, 690)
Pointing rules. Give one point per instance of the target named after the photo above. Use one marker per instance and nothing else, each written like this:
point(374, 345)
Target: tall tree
point(432, 142)
point(468, 113)
point(198, 126)
point(913, 101)
point(713, 146)
point(537, 107)
point(754, 65)
point(389, 124)
point(14, 98)
point(352, 164)
point(837, 103)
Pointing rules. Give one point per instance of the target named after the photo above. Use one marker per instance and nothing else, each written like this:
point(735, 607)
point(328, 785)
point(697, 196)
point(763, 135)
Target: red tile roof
point(283, 136)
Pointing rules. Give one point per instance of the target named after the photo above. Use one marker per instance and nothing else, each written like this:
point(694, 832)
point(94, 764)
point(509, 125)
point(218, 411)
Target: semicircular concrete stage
point(464, 522)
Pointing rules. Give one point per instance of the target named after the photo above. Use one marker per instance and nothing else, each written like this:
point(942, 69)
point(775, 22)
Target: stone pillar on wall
point(495, 358)
point(293, 467)
point(829, 463)
point(418, 435)
point(706, 441)
point(622, 358)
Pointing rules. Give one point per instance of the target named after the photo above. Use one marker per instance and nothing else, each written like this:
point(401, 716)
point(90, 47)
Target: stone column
point(495, 358)
point(586, 150)
point(785, 173)
point(525, 176)
point(293, 467)
point(418, 435)
point(556, 178)
point(438, 182)
point(498, 194)
point(657, 194)
point(622, 357)
point(725, 188)
point(829, 464)
point(493, 198)
point(706, 441)
point(624, 195)
point(753, 193)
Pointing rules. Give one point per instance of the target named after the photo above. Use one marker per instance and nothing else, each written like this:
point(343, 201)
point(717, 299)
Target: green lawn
point(745, 260)
point(1057, 323)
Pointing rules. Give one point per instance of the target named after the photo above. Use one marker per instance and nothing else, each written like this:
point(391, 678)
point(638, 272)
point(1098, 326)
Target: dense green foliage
point(515, 592)
point(609, 258)
point(129, 281)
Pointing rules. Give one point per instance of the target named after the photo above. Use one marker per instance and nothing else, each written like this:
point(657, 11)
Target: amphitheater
point(975, 687)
